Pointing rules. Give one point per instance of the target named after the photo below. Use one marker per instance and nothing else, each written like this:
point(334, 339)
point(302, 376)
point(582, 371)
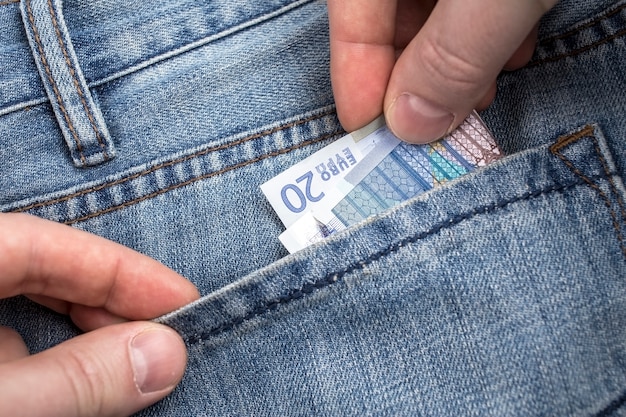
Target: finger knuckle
point(86, 380)
point(450, 68)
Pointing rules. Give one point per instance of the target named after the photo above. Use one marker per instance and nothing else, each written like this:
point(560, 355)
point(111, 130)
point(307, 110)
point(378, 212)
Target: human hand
point(426, 63)
point(118, 367)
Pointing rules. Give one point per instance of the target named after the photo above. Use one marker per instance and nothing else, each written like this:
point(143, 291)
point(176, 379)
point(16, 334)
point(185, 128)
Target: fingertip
point(362, 56)
point(116, 370)
point(12, 346)
point(454, 65)
point(524, 52)
point(159, 358)
point(359, 79)
point(91, 318)
point(190, 291)
point(488, 98)
point(417, 120)
point(351, 121)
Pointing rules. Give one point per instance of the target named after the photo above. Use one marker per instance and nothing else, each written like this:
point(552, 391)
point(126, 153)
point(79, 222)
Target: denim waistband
point(167, 80)
point(115, 37)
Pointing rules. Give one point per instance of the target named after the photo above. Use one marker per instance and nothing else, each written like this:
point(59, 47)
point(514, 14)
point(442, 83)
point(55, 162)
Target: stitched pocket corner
point(574, 150)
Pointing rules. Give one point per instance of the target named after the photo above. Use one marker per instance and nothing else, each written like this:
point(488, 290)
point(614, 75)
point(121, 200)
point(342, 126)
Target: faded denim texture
point(501, 293)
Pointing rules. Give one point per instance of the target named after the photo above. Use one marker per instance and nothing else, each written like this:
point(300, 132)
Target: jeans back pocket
point(501, 293)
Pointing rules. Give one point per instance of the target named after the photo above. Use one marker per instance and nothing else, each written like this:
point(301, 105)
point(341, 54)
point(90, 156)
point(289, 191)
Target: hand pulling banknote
point(367, 172)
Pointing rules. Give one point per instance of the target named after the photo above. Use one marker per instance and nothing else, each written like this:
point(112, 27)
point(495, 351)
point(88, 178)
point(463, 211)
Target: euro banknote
point(382, 172)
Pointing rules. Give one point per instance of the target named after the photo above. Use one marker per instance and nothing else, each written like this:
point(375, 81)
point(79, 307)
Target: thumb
point(453, 61)
point(112, 371)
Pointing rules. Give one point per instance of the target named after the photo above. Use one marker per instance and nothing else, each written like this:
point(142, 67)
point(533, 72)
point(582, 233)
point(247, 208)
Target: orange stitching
point(175, 161)
point(588, 131)
point(74, 79)
point(563, 141)
point(202, 177)
point(44, 61)
point(4, 3)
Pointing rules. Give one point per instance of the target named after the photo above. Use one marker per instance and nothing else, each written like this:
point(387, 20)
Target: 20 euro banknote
point(385, 173)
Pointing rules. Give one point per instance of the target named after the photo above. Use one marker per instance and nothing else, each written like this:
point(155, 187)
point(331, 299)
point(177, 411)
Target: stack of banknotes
point(367, 172)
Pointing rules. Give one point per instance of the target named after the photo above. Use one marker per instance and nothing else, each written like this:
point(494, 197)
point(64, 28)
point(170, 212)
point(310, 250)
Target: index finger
point(362, 57)
point(49, 259)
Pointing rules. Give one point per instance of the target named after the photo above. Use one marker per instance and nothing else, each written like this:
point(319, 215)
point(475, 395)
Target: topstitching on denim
point(579, 180)
point(317, 117)
point(137, 105)
point(152, 60)
point(70, 64)
point(226, 29)
point(7, 2)
point(336, 276)
point(588, 131)
point(602, 29)
point(53, 84)
point(79, 119)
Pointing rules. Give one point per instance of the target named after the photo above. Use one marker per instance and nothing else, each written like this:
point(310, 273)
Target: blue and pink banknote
point(367, 172)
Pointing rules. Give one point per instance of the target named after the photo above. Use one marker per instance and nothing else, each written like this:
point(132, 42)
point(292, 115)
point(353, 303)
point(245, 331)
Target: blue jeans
point(501, 293)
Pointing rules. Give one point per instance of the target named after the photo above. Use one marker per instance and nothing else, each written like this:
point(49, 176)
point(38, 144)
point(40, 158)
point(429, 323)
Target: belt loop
point(78, 116)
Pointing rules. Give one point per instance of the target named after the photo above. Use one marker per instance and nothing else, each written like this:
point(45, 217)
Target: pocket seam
point(589, 131)
point(335, 276)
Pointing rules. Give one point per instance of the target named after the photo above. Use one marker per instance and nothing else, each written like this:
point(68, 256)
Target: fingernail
point(417, 120)
point(158, 358)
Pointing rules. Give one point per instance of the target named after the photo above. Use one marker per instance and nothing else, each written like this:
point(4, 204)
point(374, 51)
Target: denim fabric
point(79, 118)
point(501, 293)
